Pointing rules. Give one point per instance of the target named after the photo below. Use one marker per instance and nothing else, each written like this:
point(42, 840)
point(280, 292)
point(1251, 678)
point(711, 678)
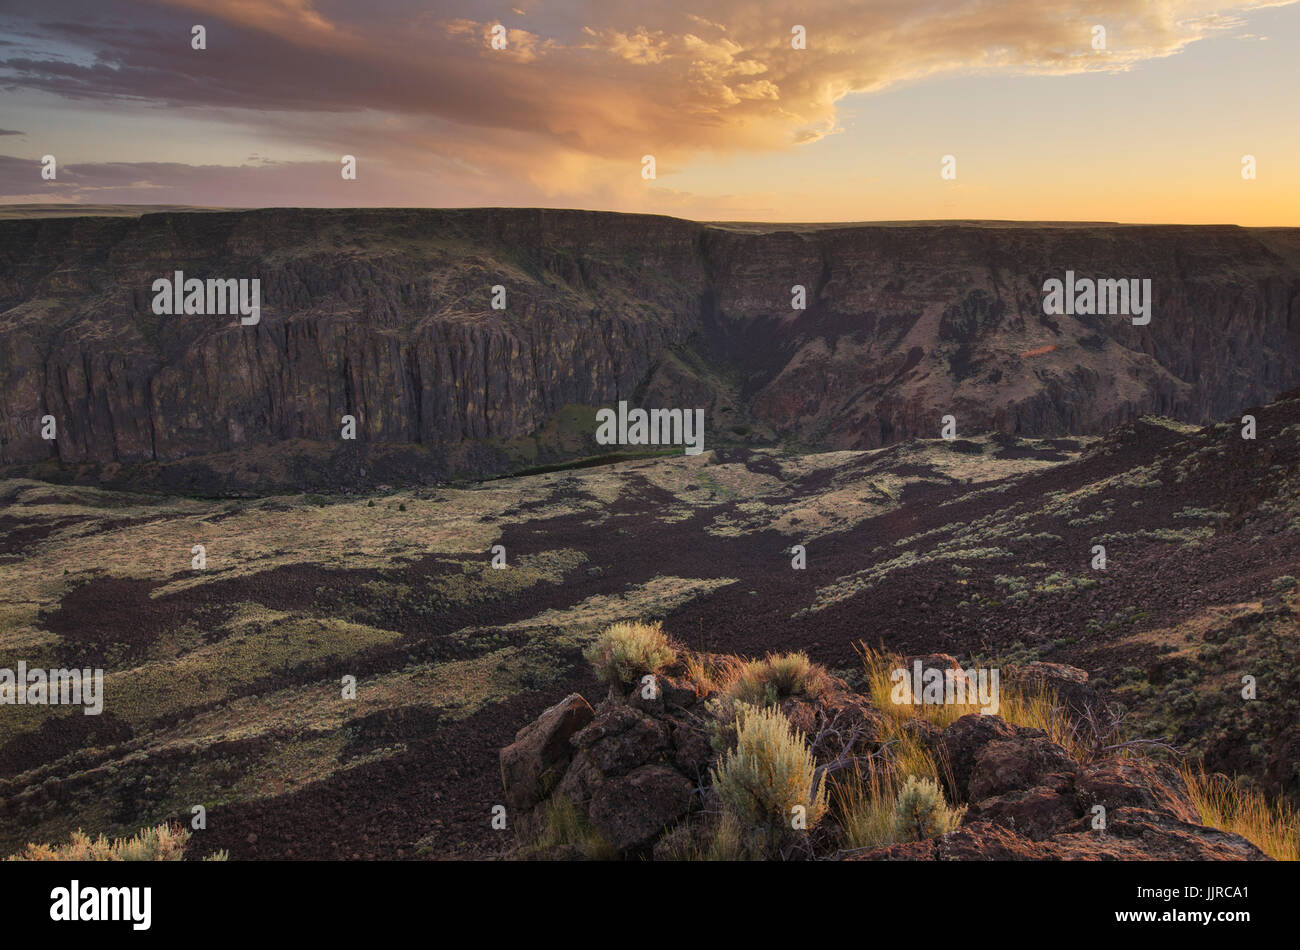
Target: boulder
point(1037, 812)
point(1137, 783)
point(671, 693)
point(621, 737)
point(1068, 682)
point(580, 779)
point(961, 743)
point(693, 753)
point(630, 812)
point(1021, 762)
point(534, 762)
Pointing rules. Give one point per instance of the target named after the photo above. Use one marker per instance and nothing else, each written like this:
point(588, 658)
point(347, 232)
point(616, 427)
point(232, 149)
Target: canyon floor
point(223, 686)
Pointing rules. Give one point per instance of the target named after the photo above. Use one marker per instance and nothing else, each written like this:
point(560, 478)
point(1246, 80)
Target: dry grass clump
point(767, 782)
point(1273, 827)
point(563, 825)
point(160, 843)
point(1031, 706)
point(883, 689)
point(776, 677)
point(624, 652)
point(869, 800)
point(711, 672)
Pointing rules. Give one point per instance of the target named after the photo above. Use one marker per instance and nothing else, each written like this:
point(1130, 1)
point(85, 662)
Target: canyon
point(386, 315)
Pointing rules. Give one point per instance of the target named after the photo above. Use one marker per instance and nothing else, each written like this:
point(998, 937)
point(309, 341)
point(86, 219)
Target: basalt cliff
point(387, 316)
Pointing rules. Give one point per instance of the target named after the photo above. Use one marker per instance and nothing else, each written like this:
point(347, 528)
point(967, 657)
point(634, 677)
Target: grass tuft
point(1273, 827)
point(777, 677)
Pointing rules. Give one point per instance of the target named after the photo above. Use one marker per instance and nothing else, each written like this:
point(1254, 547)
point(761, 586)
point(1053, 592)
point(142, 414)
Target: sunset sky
point(742, 127)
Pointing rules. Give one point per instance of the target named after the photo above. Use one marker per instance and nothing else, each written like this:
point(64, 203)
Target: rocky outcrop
point(387, 316)
point(1028, 800)
point(636, 772)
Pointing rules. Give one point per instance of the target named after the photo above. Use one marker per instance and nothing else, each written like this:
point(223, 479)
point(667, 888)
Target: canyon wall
point(386, 315)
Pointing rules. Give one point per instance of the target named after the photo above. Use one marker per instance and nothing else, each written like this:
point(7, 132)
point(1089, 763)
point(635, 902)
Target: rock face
point(387, 316)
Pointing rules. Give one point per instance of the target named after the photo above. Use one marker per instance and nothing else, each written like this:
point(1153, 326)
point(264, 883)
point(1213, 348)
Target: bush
point(768, 681)
point(625, 652)
point(920, 811)
point(160, 843)
point(768, 773)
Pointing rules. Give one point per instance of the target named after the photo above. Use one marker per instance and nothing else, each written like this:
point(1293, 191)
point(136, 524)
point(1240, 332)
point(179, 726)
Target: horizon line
point(40, 210)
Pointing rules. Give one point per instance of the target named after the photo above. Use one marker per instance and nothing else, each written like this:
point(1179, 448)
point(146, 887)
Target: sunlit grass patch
point(1272, 826)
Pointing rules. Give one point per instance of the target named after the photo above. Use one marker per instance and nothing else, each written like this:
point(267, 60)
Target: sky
point(891, 110)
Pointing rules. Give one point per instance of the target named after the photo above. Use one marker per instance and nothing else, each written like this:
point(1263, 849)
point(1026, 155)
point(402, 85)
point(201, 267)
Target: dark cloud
point(283, 184)
point(586, 77)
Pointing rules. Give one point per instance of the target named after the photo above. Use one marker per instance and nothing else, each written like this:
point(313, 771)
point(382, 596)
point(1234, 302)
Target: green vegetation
point(625, 652)
point(770, 680)
point(768, 777)
point(920, 811)
point(160, 843)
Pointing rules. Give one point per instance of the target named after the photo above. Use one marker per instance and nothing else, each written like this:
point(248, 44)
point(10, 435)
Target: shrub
point(625, 652)
point(161, 843)
point(1284, 583)
point(770, 680)
point(768, 773)
point(920, 811)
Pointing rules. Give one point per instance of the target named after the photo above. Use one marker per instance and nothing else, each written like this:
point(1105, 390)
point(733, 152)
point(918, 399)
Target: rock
point(673, 693)
point(961, 743)
point(361, 326)
point(580, 779)
point(986, 841)
point(533, 763)
point(945, 663)
point(908, 851)
point(621, 738)
point(1037, 812)
point(1138, 783)
point(1068, 682)
point(801, 713)
point(630, 812)
point(1005, 765)
point(693, 753)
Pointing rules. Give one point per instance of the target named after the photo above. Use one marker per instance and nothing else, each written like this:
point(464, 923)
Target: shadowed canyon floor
point(222, 685)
